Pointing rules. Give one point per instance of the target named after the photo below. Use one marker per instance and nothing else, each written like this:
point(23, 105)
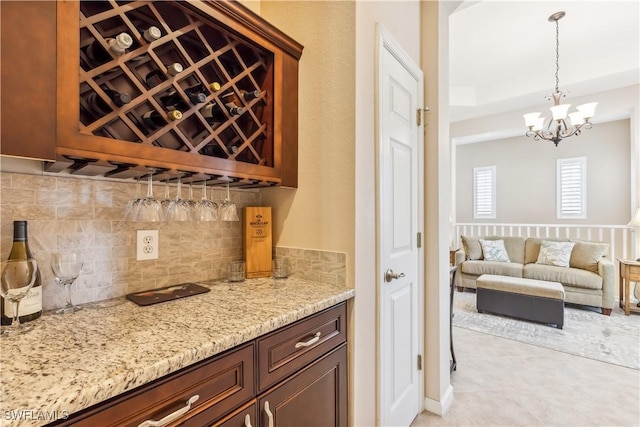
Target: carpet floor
point(612, 339)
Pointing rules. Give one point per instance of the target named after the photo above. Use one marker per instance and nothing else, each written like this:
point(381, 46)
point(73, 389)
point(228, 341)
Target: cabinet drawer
point(238, 418)
point(283, 352)
point(222, 383)
point(634, 272)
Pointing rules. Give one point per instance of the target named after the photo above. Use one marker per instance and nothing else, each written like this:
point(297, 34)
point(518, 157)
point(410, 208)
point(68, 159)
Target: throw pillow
point(472, 247)
point(586, 255)
point(494, 250)
point(555, 253)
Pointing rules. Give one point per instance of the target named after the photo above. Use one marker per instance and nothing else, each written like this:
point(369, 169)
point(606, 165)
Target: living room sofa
point(589, 278)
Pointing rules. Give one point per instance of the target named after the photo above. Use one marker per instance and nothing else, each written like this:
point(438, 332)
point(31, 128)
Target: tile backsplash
point(65, 213)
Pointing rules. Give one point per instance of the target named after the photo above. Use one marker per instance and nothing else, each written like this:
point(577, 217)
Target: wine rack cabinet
point(197, 88)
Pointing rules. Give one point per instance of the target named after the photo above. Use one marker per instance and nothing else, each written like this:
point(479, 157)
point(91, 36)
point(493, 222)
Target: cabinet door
point(315, 396)
point(28, 95)
point(247, 416)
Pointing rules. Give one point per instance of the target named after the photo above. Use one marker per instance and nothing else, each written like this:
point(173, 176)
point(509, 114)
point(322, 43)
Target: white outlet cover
point(147, 246)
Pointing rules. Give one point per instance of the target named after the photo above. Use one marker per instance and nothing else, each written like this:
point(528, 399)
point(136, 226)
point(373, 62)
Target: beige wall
point(526, 176)
point(334, 206)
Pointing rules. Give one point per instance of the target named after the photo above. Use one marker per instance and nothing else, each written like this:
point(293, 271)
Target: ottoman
point(527, 299)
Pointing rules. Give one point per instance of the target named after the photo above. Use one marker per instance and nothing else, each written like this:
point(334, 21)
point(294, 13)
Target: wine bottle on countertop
point(31, 305)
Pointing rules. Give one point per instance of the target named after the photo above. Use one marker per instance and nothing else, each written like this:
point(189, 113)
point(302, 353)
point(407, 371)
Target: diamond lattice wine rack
point(179, 86)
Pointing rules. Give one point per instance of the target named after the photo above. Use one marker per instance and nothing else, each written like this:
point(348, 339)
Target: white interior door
point(400, 219)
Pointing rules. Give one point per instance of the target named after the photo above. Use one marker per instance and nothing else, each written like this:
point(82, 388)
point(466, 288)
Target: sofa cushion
point(586, 255)
point(494, 250)
point(555, 253)
point(513, 245)
point(567, 276)
point(479, 268)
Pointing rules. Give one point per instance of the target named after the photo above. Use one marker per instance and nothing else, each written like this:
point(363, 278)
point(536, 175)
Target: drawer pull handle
point(269, 414)
point(247, 421)
point(312, 341)
point(172, 416)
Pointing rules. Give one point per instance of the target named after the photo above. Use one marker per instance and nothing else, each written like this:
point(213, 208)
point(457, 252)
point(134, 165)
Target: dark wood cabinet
point(180, 85)
point(304, 383)
point(314, 397)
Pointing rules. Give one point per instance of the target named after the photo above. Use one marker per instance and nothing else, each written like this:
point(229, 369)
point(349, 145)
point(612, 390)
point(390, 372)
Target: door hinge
point(419, 362)
point(419, 114)
point(419, 240)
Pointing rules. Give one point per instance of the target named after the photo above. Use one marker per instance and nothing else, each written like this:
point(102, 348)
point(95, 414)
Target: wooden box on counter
point(257, 241)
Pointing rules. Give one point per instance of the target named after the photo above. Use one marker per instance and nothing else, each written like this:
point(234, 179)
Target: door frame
point(385, 41)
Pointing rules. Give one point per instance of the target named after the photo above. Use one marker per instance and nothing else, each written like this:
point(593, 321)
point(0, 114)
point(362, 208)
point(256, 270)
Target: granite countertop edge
point(74, 388)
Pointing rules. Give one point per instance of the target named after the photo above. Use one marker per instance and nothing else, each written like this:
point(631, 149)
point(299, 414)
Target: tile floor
point(500, 382)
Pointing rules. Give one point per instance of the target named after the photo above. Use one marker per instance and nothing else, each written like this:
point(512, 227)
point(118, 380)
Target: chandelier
point(558, 126)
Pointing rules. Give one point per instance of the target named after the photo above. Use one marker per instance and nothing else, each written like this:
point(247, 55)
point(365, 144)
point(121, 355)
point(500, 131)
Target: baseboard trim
point(440, 407)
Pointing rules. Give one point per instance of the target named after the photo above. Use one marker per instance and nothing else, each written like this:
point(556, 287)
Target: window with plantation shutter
point(571, 188)
point(484, 192)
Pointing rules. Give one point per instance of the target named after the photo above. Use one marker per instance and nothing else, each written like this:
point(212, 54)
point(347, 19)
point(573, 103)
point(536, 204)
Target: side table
point(452, 273)
point(629, 272)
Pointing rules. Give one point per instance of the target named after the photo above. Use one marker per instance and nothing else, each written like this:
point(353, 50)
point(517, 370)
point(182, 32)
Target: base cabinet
point(307, 385)
point(315, 397)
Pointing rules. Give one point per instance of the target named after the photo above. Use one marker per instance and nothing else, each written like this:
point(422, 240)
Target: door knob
point(389, 275)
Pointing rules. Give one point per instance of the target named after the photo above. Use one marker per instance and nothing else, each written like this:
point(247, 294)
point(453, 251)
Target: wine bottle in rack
point(151, 34)
point(31, 305)
point(98, 105)
point(154, 120)
point(233, 109)
point(117, 46)
point(214, 87)
point(248, 95)
point(173, 101)
point(213, 113)
point(155, 77)
point(196, 94)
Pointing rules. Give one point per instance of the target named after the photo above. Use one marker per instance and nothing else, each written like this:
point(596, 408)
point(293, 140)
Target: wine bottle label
point(31, 303)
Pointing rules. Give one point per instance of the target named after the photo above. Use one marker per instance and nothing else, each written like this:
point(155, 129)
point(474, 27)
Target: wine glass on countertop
point(66, 266)
point(17, 278)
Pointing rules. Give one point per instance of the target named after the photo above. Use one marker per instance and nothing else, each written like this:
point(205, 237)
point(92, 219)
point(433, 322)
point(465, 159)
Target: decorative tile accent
point(316, 265)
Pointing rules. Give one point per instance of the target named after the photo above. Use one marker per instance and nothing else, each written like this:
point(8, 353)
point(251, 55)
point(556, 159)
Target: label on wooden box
point(257, 241)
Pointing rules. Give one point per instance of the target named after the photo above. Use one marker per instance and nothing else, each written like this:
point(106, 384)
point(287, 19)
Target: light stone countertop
point(70, 362)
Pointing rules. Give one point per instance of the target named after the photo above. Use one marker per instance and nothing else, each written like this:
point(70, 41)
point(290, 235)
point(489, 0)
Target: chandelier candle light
point(557, 127)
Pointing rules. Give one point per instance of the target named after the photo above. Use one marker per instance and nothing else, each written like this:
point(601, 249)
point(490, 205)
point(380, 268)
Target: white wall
point(526, 176)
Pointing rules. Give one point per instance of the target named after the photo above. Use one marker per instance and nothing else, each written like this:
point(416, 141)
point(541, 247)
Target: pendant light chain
point(557, 54)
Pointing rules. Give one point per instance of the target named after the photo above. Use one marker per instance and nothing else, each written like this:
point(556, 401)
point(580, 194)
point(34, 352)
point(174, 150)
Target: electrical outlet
point(147, 247)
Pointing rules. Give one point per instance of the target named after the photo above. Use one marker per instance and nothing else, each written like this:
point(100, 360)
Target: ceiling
point(502, 53)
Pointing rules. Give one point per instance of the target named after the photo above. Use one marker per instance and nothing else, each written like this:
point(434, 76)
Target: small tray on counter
point(169, 293)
